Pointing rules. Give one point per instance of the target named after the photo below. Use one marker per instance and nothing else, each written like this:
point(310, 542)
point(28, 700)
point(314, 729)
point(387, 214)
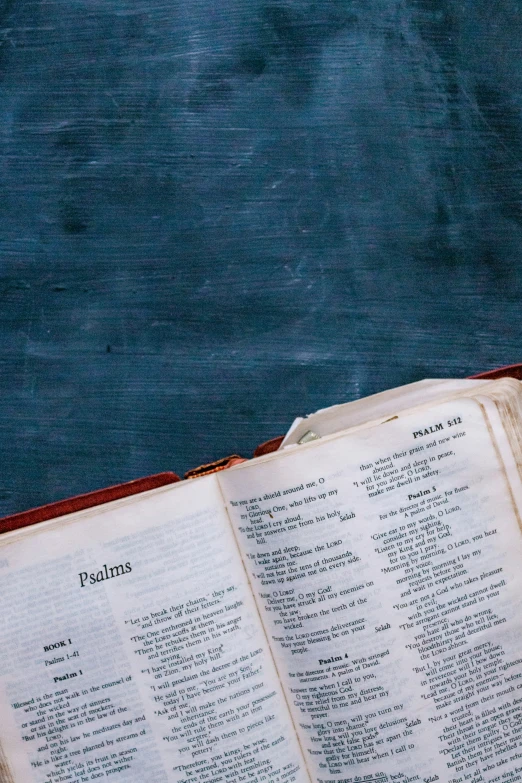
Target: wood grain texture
point(216, 216)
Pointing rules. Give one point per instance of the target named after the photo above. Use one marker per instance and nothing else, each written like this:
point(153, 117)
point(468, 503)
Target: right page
point(387, 566)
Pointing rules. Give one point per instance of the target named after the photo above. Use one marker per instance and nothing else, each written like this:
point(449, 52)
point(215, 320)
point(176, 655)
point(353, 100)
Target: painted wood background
point(217, 215)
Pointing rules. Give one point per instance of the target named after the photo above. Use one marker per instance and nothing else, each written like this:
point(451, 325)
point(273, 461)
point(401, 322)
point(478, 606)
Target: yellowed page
point(131, 649)
point(387, 567)
point(381, 406)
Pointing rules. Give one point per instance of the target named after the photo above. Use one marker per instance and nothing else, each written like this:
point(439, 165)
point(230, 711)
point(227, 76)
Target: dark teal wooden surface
point(216, 216)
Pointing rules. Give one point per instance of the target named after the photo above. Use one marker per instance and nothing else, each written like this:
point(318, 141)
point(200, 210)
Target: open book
point(346, 609)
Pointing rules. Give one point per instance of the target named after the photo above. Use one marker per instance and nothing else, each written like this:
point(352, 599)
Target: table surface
point(217, 216)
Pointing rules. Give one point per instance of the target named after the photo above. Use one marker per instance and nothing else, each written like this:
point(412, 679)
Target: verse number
point(452, 422)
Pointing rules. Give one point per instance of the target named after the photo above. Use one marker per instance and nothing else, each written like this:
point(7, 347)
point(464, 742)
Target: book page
point(381, 406)
point(387, 565)
point(131, 650)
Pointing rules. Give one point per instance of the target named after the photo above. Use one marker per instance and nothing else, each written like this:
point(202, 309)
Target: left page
point(131, 649)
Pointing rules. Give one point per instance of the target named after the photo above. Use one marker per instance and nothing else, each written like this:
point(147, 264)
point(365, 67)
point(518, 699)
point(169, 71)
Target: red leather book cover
point(511, 371)
point(89, 500)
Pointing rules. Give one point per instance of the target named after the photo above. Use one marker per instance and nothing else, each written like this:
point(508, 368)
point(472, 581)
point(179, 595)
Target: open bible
point(348, 608)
